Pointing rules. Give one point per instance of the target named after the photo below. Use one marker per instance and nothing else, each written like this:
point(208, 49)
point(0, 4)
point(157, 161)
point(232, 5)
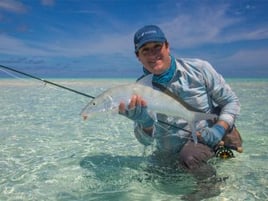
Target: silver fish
point(157, 102)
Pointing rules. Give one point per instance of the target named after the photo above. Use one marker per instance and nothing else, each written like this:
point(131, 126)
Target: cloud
point(13, 6)
point(249, 58)
point(204, 25)
point(210, 25)
point(24, 60)
point(113, 44)
point(47, 2)
point(244, 63)
point(255, 34)
point(13, 46)
point(198, 27)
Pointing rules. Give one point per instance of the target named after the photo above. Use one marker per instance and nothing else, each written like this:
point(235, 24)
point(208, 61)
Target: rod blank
point(46, 81)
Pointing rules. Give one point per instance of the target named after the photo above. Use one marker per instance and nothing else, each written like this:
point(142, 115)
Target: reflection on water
point(117, 174)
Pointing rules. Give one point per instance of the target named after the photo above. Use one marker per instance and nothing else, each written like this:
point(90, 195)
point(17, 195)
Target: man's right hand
point(137, 111)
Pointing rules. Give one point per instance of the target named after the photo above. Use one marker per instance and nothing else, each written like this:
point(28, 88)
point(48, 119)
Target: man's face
point(155, 57)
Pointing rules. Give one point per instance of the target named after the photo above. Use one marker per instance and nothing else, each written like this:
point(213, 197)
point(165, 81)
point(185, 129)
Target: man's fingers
point(133, 102)
point(221, 143)
point(139, 99)
point(198, 134)
point(143, 103)
point(122, 108)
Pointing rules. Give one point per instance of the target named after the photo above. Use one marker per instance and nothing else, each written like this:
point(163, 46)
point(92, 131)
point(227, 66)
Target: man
point(198, 84)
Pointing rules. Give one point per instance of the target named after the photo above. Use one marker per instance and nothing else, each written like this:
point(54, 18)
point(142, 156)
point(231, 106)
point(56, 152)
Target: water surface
point(49, 153)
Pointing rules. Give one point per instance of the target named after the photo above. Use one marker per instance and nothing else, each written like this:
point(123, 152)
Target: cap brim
point(142, 43)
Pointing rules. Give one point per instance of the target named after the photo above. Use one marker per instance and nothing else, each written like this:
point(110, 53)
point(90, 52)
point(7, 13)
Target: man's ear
point(137, 55)
point(167, 44)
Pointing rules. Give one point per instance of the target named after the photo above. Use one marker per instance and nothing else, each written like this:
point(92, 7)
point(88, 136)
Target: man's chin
point(157, 71)
point(155, 67)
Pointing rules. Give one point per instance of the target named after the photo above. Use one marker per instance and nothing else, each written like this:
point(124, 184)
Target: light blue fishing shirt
point(198, 84)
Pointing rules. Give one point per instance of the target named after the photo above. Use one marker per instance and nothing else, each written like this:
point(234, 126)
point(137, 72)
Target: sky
point(94, 38)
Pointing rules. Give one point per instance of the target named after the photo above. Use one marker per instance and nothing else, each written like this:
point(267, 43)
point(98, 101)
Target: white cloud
point(66, 47)
point(198, 27)
point(47, 2)
point(249, 58)
point(14, 46)
point(12, 6)
point(256, 34)
point(202, 26)
point(208, 25)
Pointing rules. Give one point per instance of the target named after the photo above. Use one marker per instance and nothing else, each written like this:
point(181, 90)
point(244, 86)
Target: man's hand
point(212, 136)
point(137, 111)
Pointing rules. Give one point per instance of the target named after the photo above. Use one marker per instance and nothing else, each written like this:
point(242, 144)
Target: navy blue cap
point(146, 34)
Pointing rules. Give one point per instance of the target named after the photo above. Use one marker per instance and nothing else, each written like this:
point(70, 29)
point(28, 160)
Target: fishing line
point(43, 80)
point(12, 75)
point(166, 123)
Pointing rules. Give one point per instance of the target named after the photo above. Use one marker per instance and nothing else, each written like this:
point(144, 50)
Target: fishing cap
point(146, 34)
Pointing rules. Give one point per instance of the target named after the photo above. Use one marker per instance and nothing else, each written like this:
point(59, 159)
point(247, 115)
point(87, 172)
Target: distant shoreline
point(116, 78)
point(101, 82)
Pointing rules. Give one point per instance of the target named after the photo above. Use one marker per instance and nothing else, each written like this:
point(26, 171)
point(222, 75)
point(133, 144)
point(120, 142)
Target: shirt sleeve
point(221, 94)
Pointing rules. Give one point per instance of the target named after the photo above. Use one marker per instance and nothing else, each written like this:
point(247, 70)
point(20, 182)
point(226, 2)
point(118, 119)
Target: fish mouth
point(87, 116)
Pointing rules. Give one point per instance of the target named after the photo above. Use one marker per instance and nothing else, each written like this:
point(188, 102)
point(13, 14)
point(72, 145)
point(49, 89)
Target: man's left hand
point(212, 136)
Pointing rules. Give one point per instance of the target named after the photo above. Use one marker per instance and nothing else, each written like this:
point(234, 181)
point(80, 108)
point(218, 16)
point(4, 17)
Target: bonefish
point(157, 102)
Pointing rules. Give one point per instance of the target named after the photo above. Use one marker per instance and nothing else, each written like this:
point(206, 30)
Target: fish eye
point(93, 103)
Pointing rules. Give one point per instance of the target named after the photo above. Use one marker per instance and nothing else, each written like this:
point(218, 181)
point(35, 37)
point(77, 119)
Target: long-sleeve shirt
point(198, 84)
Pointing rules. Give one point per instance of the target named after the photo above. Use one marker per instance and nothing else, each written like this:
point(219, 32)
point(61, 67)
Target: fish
point(157, 102)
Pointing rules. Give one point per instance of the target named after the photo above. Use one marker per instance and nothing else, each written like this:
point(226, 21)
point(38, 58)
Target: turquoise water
point(49, 153)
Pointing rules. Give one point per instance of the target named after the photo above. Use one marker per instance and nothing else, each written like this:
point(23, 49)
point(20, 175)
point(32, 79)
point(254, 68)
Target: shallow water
point(49, 153)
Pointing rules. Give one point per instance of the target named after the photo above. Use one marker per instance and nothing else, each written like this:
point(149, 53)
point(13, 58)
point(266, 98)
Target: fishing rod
point(66, 88)
point(46, 81)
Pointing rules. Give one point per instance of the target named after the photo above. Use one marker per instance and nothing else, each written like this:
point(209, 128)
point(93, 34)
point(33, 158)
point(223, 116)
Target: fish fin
point(146, 80)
